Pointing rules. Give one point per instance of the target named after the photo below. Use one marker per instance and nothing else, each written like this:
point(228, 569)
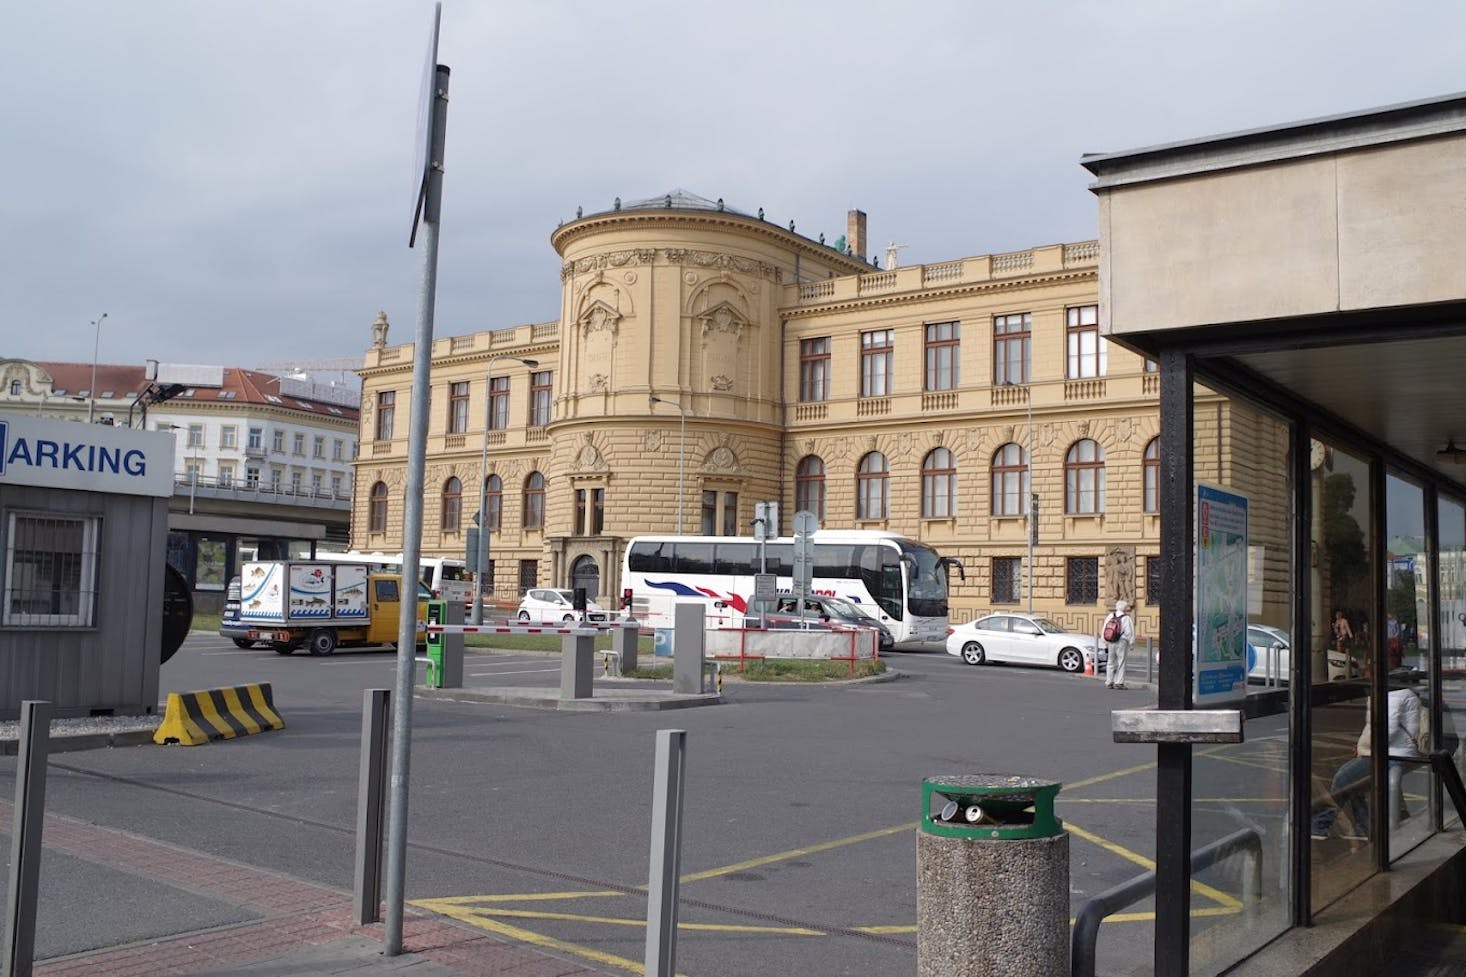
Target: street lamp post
point(483, 485)
point(96, 349)
point(681, 456)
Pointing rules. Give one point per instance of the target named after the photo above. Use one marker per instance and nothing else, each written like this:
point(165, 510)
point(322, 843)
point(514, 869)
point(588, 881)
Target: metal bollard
point(992, 879)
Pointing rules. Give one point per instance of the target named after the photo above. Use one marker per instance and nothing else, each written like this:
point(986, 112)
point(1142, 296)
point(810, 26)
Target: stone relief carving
point(722, 382)
point(653, 441)
point(589, 457)
point(1119, 574)
point(611, 259)
point(722, 319)
point(598, 382)
point(721, 460)
point(717, 259)
point(599, 316)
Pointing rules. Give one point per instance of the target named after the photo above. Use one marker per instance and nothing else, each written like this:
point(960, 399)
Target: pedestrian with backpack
point(1119, 632)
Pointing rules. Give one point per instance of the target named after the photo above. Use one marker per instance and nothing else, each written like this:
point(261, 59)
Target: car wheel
point(524, 616)
point(567, 618)
point(322, 641)
point(973, 654)
point(282, 647)
point(1071, 660)
point(243, 643)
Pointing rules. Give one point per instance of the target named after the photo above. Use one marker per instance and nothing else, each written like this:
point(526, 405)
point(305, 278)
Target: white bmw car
point(1024, 639)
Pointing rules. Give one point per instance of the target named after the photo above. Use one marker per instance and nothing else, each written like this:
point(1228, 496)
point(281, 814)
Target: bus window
point(735, 558)
point(648, 557)
point(694, 558)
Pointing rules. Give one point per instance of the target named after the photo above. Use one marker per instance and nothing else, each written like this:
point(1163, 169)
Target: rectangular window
point(335, 486)
point(229, 436)
point(1081, 580)
point(1153, 571)
point(1086, 348)
point(226, 475)
point(540, 390)
point(943, 348)
point(597, 511)
point(709, 520)
point(195, 435)
point(386, 414)
point(295, 482)
point(458, 407)
point(730, 513)
point(877, 357)
point(252, 477)
point(814, 369)
point(256, 439)
point(50, 571)
point(298, 444)
point(277, 441)
point(276, 475)
point(1007, 579)
point(581, 504)
point(719, 513)
point(318, 446)
point(529, 574)
point(338, 450)
point(498, 403)
point(1012, 346)
point(315, 484)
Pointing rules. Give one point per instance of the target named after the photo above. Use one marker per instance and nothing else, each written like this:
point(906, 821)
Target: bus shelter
point(1301, 293)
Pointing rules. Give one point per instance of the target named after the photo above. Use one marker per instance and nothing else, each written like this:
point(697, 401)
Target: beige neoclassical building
point(707, 359)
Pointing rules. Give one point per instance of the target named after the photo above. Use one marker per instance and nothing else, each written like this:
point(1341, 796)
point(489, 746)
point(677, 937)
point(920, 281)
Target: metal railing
point(1245, 841)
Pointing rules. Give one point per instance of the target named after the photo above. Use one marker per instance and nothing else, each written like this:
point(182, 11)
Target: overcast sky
point(232, 182)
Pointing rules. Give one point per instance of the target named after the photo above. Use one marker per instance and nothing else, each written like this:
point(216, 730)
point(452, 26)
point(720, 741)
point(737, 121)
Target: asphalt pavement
point(529, 828)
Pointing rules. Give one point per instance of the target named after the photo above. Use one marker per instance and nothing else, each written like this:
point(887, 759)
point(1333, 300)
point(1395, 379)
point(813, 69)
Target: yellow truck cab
point(322, 606)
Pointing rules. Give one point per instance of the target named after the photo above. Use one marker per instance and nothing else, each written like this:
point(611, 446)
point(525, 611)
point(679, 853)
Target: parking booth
point(992, 869)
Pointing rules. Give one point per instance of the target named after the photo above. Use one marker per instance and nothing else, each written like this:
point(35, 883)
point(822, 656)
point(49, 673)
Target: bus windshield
point(927, 593)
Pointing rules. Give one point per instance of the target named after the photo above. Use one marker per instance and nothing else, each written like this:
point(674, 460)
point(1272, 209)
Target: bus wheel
point(322, 641)
point(282, 647)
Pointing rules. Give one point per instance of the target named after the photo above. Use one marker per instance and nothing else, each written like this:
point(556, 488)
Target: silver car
point(1024, 639)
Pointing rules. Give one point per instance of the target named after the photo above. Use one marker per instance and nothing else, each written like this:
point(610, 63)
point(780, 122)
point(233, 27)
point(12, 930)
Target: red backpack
point(1114, 628)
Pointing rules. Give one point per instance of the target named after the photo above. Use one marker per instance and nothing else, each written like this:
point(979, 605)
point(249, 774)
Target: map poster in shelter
point(1221, 595)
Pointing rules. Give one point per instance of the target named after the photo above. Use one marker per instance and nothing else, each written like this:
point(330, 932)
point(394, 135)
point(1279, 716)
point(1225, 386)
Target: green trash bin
point(992, 888)
point(437, 614)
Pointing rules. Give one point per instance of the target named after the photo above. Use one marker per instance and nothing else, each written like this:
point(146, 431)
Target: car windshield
point(1048, 626)
point(845, 610)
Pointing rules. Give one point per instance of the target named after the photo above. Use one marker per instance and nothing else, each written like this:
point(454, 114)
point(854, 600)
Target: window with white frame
point(1012, 345)
point(318, 446)
point(228, 436)
point(1010, 480)
point(814, 369)
point(295, 482)
point(872, 487)
point(939, 485)
point(277, 441)
point(298, 444)
point(1086, 348)
point(256, 439)
point(338, 450)
point(541, 389)
point(195, 435)
point(50, 571)
point(943, 356)
point(1084, 479)
point(877, 360)
point(226, 475)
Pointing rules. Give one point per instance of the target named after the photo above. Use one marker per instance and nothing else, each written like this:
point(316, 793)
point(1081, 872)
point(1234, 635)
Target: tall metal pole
point(1032, 497)
point(483, 485)
point(681, 456)
point(412, 523)
point(96, 351)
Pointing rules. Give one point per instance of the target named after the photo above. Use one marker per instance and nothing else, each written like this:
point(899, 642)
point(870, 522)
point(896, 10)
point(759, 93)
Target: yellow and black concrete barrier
point(192, 718)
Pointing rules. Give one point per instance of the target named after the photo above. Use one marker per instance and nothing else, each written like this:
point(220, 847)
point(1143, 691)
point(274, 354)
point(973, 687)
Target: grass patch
point(544, 642)
point(803, 670)
point(650, 671)
point(206, 622)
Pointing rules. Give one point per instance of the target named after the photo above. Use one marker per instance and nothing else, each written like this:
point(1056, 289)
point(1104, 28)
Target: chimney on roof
point(855, 232)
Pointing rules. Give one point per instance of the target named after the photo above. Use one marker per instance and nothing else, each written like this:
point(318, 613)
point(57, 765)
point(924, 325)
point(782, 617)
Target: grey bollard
point(452, 648)
point(577, 652)
point(623, 643)
point(992, 879)
point(687, 649)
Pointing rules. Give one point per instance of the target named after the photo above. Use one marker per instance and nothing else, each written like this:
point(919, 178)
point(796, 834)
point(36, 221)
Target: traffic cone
point(1088, 665)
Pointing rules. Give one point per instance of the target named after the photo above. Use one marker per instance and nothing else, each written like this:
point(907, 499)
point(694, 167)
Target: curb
point(84, 741)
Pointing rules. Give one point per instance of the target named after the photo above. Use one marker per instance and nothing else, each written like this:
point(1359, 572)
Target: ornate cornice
point(942, 292)
point(677, 256)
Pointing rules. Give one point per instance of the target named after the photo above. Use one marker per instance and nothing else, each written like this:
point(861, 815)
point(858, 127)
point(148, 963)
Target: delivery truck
point(321, 606)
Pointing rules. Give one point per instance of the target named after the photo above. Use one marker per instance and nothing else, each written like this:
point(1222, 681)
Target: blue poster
point(1221, 595)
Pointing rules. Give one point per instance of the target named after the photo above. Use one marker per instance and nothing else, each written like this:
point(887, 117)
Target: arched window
point(377, 511)
point(1084, 479)
point(452, 505)
point(1010, 480)
point(872, 489)
point(809, 486)
point(938, 485)
point(1150, 468)
point(494, 503)
point(534, 501)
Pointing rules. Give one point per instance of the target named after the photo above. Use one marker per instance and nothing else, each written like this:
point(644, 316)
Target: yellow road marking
point(1200, 888)
point(530, 937)
point(526, 897)
point(1141, 768)
point(713, 873)
point(641, 922)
